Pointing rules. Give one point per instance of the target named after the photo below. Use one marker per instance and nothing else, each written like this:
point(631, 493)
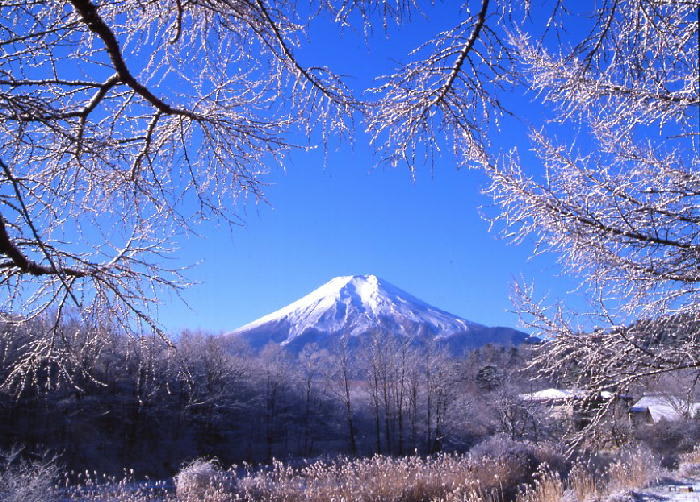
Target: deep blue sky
point(347, 216)
point(425, 236)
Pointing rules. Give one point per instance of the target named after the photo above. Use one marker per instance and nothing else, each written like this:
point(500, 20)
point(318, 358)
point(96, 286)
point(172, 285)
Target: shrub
point(202, 480)
point(670, 439)
point(519, 459)
point(23, 480)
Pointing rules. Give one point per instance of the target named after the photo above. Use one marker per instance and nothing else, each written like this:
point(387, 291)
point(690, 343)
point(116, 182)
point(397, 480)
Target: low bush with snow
point(23, 480)
point(203, 480)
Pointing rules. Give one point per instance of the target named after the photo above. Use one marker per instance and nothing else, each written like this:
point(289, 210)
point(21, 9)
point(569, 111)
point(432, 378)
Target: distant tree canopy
point(124, 124)
point(138, 402)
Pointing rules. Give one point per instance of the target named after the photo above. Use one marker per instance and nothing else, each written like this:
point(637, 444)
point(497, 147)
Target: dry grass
point(584, 482)
point(507, 475)
point(691, 457)
point(442, 478)
point(92, 488)
point(411, 479)
point(546, 487)
point(689, 463)
point(634, 469)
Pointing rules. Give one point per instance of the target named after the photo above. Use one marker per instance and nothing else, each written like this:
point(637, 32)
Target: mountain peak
point(354, 305)
point(366, 293)
point(369, 278)
point(367, 281)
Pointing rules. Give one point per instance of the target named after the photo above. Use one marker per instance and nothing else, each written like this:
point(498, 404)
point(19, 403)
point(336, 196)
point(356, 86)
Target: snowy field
point(685, 490)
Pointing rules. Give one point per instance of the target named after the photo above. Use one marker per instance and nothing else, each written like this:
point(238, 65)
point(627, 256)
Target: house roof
point(664, 407)
point(552, 394)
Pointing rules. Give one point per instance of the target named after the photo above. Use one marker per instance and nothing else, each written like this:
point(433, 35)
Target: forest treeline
point(113, 401)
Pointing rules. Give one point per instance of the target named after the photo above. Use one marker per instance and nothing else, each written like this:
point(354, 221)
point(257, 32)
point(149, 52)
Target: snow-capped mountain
point(359, 305)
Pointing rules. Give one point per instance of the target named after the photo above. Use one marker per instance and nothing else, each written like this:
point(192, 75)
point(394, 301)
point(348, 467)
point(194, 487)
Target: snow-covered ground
point(672, 490)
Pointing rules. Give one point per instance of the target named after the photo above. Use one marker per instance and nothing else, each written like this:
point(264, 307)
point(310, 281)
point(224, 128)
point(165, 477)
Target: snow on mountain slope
point(360, 304)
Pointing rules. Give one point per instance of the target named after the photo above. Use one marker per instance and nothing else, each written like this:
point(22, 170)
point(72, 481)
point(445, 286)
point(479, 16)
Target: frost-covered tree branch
point(450, 93)
point(621, 207)
point(113, 144)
